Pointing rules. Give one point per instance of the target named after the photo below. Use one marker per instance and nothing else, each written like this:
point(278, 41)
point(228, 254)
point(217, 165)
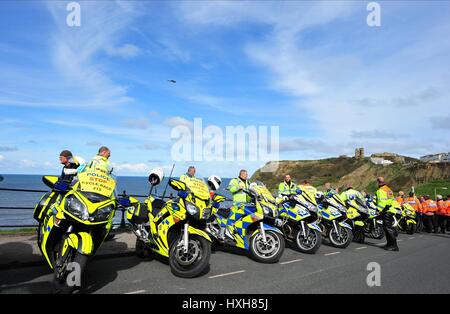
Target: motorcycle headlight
point(103, 213)
point(268, 211)
point(206, 213)
point(76, 208)
point(192, 209)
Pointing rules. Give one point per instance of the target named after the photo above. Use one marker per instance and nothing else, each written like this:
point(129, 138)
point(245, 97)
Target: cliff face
point(360, 172)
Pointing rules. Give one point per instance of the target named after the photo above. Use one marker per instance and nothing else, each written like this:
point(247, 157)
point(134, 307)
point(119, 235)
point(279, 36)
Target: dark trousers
point(431, 223)
point(442, 221)
point(389, 231)
point(448, 223)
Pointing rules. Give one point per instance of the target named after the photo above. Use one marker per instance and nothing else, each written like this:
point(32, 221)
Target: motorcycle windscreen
point(199, 188)
point(96, 180)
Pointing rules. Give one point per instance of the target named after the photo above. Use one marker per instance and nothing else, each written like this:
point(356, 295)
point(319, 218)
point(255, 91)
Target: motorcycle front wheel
point(342, 239)
point(268, 251)
point(192, 263)
point(309, 241)
point(68, 272)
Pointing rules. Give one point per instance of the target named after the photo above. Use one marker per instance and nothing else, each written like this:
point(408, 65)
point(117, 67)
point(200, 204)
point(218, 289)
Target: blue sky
point(315, 69)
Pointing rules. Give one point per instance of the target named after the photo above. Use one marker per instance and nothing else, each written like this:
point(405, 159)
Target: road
point(421, 266)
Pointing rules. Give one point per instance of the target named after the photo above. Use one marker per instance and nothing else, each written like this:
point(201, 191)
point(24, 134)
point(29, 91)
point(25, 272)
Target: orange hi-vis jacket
point(442, 208)
point(400, 200)
point(447, 203)
point(415, 203)
point(429, 207)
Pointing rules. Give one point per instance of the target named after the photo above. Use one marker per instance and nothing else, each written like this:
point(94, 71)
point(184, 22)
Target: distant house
point(437, 158)
point(380, 161)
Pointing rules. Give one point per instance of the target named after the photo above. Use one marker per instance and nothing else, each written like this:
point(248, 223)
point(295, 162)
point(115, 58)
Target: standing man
point(102, 159)
point(237, 186)
point(385, 197)
point(330, 190)
point(441, 213)
point(429, 210)
point(447, 203)
point(350, 193)
point(188, 175)
point(306, 186)
point(400, 197)
point(287, 187)
point(415, 203)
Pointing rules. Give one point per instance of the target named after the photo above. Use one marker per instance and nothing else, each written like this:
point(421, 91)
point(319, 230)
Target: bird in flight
point(172, 81)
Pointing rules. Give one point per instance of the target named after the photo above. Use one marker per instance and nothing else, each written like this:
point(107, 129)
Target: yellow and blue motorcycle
point(298, 222)
point(174, 229)
point(249, 226)
point(406, 217)
point(73, 223)
point(333, 220)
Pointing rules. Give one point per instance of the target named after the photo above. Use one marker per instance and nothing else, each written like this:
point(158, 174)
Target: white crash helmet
point(156, 176)
point(214, 182)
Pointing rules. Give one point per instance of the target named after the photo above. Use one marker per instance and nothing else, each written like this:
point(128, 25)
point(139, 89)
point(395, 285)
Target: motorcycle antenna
point(167, 184)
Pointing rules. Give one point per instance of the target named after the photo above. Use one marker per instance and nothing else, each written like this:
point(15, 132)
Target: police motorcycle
point(406, 218)
point(333, 220)
point(174, 229)
point(373, 227)
point(297, 220)
point(250, 226)
point(74, 220)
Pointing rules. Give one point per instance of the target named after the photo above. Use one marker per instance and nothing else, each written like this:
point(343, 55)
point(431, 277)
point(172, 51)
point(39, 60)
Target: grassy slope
point(361, 173)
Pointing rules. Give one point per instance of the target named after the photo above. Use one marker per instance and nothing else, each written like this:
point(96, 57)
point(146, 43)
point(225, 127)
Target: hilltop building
point(436, 158)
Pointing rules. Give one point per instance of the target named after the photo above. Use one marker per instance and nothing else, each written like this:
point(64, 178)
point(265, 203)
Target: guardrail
point(122, 223)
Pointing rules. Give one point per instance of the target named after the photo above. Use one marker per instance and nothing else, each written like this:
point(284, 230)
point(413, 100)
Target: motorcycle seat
point(224, 212)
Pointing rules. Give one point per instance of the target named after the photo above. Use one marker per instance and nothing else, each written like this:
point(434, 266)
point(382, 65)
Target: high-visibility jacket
point(287, 188)
point(237, 187)
point(400, 200)
point(102, 162)
point(447, 204)
point(350, 194)
point(415, 203)
point(385, 197)
point(441, 208)
point(185, 178)
point(429, 207)
point(309, 188)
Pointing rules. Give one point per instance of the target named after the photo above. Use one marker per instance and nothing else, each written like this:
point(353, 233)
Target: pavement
point(421, 266)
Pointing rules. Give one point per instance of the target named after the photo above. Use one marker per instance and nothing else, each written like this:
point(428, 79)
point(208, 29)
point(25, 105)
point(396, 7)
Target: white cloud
point(126, 51)
point(137, 168)
point(178, 121)
point(2, 157)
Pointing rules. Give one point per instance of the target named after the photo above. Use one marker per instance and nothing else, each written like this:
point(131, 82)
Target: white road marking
point(334, 253)
point(381, 244)
point(411, 238)
point(227, 274)
point(293, 261)
point(136, 292)
point(361, 248)
point(400, 240)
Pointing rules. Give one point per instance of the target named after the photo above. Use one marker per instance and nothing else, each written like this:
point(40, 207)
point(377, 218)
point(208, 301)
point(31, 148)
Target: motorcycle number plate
point(335, 213)
point(302, 212)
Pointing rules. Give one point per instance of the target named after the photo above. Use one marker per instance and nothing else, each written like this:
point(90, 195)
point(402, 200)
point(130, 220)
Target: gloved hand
point(60, 185)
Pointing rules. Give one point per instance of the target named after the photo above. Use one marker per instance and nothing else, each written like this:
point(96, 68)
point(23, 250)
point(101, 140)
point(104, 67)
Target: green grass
point(18, 231)
point(428, 188)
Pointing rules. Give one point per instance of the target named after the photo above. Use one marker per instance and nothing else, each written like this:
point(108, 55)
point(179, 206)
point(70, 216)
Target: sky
point(316, 70)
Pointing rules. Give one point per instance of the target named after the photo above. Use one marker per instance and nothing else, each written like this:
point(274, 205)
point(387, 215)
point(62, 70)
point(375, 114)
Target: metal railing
point(122, 223)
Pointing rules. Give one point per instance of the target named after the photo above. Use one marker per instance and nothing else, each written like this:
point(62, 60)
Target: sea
point(16, 208)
